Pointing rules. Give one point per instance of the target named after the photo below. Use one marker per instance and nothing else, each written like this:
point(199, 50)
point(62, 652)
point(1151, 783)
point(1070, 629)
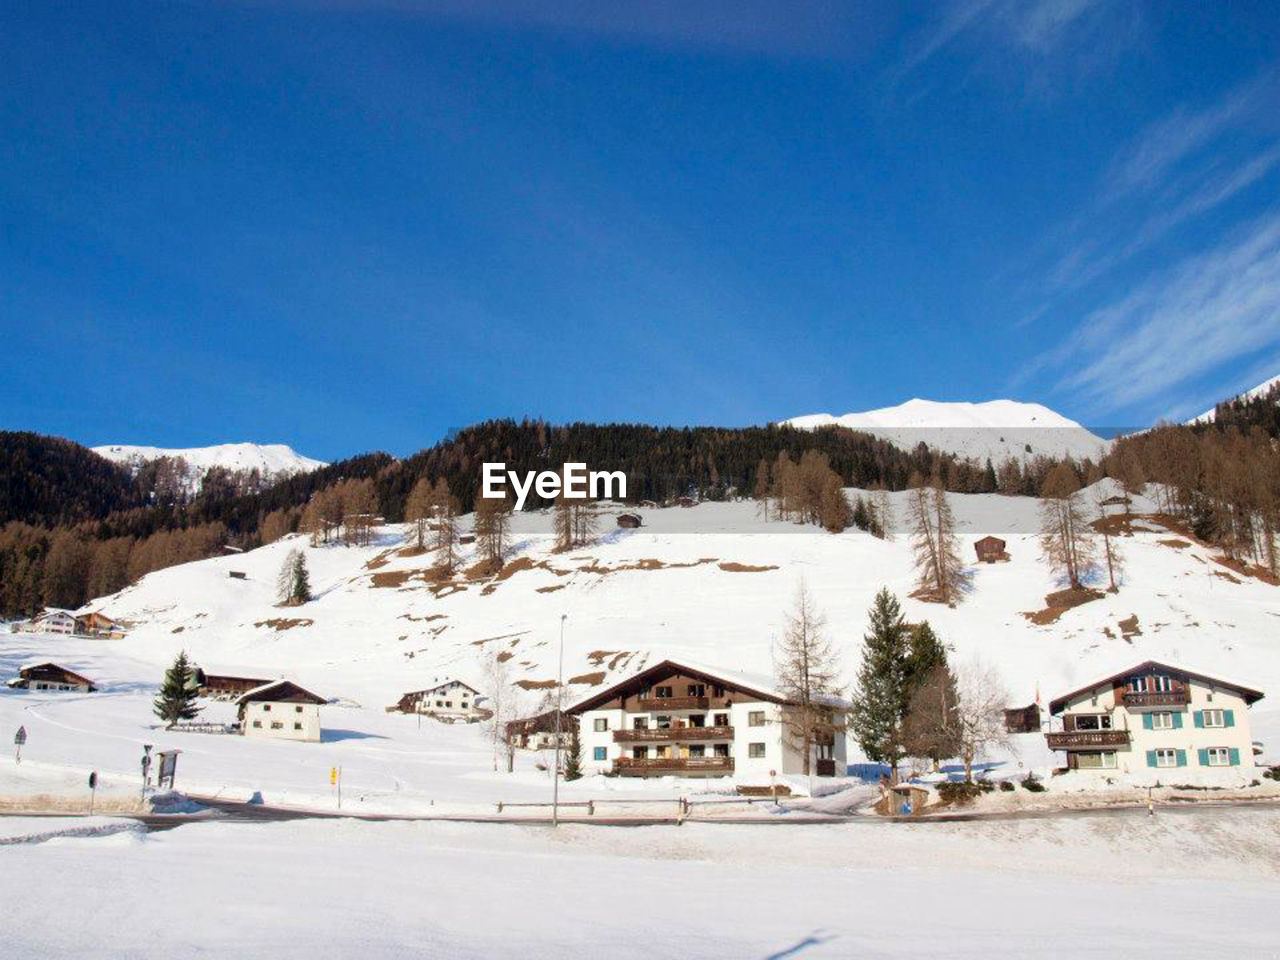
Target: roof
point(760, 685)
point(278, 690)
point(989, 538)
point(1249, 694)
point(445, 683)
point(56, 668)
point(55, 612)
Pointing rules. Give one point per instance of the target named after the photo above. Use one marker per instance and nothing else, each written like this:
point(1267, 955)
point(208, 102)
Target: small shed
point(629, 521)
point(990, 550)
point(1023, 719)
point(907, 799)
point(237, 575)
point(686, 502)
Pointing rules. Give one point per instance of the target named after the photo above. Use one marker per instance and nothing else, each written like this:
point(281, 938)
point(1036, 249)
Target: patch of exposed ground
point(1129, 627)
point(395, 579)
point(1056, 604)
point(551, 589)
point(615, 658)
point(590, 679)
point(379, 561)
point(730, 566)
point(536, 684)
point(1176, 544)
point(285, 623)
point(648, 563)
point(427, 619)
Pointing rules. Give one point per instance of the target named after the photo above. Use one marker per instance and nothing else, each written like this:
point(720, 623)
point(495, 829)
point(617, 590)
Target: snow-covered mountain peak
point(269, 459)
point(1262, 388)
point(994, 429)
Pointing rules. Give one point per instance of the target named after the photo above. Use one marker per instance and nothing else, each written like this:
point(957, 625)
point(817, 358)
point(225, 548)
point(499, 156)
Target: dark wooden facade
point(531, 730)
point(1023, 719)
point(629, 521)
point(224, 685)
point(990, 550)
point(50, 673)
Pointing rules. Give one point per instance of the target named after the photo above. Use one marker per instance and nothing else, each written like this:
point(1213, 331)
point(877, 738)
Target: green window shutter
point(1235, 756)
point(1177, 720)
point(1198, 717)
point(1146, 721)
point(1182, 758)
point(1203, 756)
point(1229, 717)
point(1151, 758)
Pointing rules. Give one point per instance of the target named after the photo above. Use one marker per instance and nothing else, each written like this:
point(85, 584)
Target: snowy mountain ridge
point(1210, 415)
point(995, 429)
point(273, 459)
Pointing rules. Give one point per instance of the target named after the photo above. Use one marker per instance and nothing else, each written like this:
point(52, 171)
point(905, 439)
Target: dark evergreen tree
point(925, 653)
point(883, 689)
point(177, 698)
point(573, 757)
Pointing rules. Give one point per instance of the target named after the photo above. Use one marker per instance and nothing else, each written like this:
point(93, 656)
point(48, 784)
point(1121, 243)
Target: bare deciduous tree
point(808, 671)
point(1065, 537)
point(939, 570)
point(981, 698)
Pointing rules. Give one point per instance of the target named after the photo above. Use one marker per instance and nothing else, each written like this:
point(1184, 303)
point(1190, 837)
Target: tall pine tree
point(177, 698)
point(883, 683)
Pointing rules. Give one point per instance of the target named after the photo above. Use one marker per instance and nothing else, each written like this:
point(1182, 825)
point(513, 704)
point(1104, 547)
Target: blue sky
point(352, 225)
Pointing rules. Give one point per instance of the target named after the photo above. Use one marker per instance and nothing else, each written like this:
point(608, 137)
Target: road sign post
point(19, 739)
point(146, 768)
point(93, 790)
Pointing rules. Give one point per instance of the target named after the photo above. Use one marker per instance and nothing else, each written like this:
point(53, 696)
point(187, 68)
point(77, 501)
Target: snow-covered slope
point(275, 459)
point(996, 429)
point(1209, 415)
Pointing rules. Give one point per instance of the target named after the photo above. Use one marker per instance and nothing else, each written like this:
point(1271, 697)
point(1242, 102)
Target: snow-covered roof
point(260, 693)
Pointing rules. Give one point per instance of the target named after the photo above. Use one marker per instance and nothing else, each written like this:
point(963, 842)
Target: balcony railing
point(643, 766)
point(1156, 698)
point(1086, 739)
point(669, 734)
point(659, 704)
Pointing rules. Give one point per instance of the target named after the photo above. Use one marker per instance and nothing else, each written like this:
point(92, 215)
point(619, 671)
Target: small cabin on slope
point(51, 676)
point(990, 550)
point(629, 521)
point(281, 709)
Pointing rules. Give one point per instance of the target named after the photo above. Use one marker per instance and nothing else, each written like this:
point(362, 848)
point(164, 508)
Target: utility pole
point(555, 787)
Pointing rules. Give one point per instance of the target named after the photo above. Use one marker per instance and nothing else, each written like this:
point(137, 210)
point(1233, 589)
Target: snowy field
point(1200, 884)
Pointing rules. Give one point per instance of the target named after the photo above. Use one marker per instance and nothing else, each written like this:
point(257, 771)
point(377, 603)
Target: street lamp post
point(555, 783)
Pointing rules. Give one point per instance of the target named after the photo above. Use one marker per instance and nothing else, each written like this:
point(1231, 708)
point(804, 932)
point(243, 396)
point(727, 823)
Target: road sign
point(93, 780)
point(333, 776)
point(21, 736)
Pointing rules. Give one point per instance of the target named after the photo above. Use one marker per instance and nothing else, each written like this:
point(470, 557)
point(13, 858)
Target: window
point(297, 709)
point(640, 753)
point(600, 724)
point(697, 720)
point(1213, 718)
point(640, 723)
point(1137, 685)
point(755, 718)
point(1166, 758)
point(755, 751)
point(258, 724)
point(1218, 756)
point(1093, 721)
point(276, 725)
point(720, 749)
point(697, 690)
point(1101, 760)
point(1162, 684)
point(449, 704)
point(1162, 721)
point(266, 707)
point(663, 693)
point(297, 726)
point(600, 753)
point(697, 750)
point(662, 722)
point(722, 719)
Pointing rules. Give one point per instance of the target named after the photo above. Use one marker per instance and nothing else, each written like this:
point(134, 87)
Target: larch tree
point(417, 512)
point(981, 700)
point(492, 527)
point(931, 727)
point(444, 527)
point(883, 683)
point(177, 698)
point(1066, 540)
point(808, 671)
point(1110, 549)
point(939, 570)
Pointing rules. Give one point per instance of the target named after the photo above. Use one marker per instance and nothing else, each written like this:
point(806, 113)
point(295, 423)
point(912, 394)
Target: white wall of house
point(1208, 741)
point(282, 721)
point(62, 623)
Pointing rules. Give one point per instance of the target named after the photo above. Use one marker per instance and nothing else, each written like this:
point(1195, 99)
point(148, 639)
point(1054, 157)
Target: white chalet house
point(280, 709)
point(678, 719)
point(53, 620)
point(450, 702)
point(1157, 722)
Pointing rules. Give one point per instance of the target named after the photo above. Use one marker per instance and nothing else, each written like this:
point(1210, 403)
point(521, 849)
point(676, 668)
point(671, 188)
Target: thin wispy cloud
point(1212, 309)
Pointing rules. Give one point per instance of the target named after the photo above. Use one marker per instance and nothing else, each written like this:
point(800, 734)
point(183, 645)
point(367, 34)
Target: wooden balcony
point(1154, 698)
point(672, 734)
point(659, 766)
point(663, 704)
point(1087, 739)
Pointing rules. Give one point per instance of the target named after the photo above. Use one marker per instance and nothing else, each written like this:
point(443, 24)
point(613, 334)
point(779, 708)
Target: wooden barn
point(51, 676)
point(629, 521)
point(539, 733)
point(225, 686)
point(990, 550)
